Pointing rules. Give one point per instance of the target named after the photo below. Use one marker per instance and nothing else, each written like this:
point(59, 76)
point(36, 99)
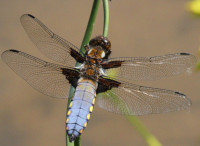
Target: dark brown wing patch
point(106, 84)
point(77, 56)
point(71, 75)
point(112, 64)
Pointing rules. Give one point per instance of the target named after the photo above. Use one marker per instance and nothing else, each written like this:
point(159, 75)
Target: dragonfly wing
point(51, 45)
point(148, 68)
point(131, 99)
point(47, 78)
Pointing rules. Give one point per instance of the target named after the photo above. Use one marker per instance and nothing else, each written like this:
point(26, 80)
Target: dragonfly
point(108, 81)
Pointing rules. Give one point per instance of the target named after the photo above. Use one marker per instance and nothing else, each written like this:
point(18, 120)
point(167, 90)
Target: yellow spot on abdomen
point(70, 104)
point(81, 131)
point(88, 116)
point(93, 101)
point(91, 108)
point(69, 112)
point(95, 94)
point(67, 128)
point(67, 120)
point(85, 124)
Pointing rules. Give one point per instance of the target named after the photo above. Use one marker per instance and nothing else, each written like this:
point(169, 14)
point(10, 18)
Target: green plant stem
point(198, 66)
point(106, 18)
point(85, 41)
point(90, 25)
point(146, 135)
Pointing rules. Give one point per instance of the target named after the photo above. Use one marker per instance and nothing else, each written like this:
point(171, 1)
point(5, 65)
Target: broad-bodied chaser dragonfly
point(108, 81)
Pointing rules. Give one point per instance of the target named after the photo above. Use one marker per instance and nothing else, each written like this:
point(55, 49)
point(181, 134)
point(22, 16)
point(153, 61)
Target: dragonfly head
point(103, 43)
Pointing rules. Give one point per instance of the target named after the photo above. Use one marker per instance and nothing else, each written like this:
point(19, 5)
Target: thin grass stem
point(146, 135)
point(106, 17)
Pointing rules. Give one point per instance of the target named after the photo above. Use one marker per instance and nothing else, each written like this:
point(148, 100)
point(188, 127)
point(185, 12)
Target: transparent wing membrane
point(115, 94)
point(131, 99)
point(151, 68)
point(53, 46)
point(45, 77)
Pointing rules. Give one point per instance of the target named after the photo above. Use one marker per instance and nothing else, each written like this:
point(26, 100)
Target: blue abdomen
point(80, 108)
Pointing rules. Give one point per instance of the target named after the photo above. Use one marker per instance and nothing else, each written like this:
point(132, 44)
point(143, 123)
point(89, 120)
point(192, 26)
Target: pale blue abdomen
point(80, 108)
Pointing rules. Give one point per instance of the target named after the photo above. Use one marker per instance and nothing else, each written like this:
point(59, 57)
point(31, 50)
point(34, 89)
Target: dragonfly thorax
point(92, 65)
point(90, 70)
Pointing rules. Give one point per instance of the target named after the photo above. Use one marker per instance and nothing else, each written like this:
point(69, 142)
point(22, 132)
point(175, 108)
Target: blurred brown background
point(137, 28)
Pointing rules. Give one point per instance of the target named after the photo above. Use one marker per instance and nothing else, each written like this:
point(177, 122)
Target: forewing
point(149, 68)
point(53, 46)
point(47, 78)
point(131, 99)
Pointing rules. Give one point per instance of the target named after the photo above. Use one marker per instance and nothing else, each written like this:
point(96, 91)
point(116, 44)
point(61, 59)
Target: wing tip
point(5, 53)
point(30, 16)
point(24, 16)
point(180, 93)
point(192, 58)
point(12, 50)
point(185, 54)
point(188, 100)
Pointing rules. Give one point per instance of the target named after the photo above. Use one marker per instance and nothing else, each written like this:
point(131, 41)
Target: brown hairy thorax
point(92, 64)
point(97, 50)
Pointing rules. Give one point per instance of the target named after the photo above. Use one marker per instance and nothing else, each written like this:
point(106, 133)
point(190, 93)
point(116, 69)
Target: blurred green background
point(137, 28)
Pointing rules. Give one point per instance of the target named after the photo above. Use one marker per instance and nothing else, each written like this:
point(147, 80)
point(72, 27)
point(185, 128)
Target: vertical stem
point(85, 41)
point(90, 25)
point(146, 135)
point(106, 17)
point(198, 66)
